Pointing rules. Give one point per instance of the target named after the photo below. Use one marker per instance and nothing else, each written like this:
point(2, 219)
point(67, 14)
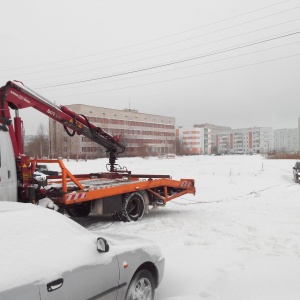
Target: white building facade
point(244, 141)
point(286, 140)
point(195, 141)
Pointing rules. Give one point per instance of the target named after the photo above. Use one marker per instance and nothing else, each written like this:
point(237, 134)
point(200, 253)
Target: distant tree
point(142, 151)
point(178, 146)
point(39, 145)
point(214, 150)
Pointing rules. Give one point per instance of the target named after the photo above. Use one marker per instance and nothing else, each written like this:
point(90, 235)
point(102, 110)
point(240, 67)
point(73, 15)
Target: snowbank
point(238, 238)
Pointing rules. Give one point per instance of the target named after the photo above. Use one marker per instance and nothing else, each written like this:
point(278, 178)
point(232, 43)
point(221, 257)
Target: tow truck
point(116, 192)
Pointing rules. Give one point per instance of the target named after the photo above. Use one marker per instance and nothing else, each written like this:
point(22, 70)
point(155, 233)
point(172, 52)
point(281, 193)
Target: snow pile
point(238, 238)
point(35, 240)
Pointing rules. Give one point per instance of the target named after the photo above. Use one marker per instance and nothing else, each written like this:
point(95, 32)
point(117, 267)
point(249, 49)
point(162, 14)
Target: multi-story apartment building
point(220, 139)
point(212, 127)
point(142, 134)
point(243, 141)
point(195, 140)
point(286, 140)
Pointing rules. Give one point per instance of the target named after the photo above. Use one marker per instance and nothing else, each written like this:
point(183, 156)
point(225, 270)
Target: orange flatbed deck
point(87, 187)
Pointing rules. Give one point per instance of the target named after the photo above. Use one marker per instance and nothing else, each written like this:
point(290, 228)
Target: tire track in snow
point(255, 193)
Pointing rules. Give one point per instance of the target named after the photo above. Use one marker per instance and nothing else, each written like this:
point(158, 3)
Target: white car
point(45, 255)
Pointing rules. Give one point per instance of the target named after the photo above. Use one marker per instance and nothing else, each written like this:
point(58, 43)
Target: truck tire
point(79, 211)
point(141, 286)
point(133, 207)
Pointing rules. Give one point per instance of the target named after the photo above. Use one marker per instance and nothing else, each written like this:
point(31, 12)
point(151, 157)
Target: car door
point(88, 282)
point(24, 292)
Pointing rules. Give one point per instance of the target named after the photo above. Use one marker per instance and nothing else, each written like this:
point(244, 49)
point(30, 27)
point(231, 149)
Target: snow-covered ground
point(237, 238)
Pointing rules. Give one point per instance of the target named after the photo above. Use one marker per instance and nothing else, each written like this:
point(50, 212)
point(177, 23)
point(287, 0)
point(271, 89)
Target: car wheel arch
point(149, 266)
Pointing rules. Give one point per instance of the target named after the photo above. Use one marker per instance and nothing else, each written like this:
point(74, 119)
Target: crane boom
point(15, 95)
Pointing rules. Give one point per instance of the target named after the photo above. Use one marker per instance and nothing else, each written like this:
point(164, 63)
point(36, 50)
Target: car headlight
point(298, 173)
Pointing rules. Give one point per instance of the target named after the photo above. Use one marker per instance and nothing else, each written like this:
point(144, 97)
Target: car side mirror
point(102, 245)
point(294, 168)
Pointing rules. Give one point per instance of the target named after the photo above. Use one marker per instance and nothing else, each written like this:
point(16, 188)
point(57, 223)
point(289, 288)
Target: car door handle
point(54, 285)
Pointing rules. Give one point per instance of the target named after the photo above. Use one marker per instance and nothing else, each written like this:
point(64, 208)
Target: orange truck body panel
point(97, 188)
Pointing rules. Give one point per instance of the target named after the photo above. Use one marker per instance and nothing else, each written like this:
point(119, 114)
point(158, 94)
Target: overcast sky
point(234, 63)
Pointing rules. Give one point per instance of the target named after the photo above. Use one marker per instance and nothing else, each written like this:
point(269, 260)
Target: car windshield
point(41, 167)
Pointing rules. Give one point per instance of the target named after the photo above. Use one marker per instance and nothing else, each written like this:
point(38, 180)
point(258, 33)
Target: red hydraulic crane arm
point(15, 95)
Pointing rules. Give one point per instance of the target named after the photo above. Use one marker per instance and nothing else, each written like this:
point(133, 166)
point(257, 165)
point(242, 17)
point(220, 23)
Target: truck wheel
point(141, 286)
point(133, 207)
point(79, 211)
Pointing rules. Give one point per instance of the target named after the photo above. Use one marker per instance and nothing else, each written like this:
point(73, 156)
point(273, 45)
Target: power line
point(176, 42)
point(171, 63)
point(195, 37)
point(186, 77)
point(153, 40)
point(168, 53)
point(185, 67)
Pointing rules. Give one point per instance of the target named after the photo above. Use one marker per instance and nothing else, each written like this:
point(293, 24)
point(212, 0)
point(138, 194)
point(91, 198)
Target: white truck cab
point(8, 173)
